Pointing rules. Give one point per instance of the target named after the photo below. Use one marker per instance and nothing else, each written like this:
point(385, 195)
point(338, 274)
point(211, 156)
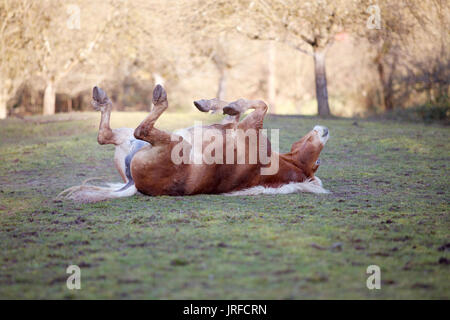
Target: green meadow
point(388, 206)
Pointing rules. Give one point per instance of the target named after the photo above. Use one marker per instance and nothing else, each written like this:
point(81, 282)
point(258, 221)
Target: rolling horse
point(155, 162)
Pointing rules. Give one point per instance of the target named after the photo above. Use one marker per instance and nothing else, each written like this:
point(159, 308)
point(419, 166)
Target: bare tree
point(386, 41)
point(66, 46)
point(203, 46)
point(219, 58)
point(402, 62)
point(16, 46)
point(307, 26)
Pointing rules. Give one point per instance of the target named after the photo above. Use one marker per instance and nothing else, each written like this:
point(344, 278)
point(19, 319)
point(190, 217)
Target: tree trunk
point(222, 87)
point(386, 86)
point(49, 98)
point(69, 104)
point(271, 77)
point(321, 83)
point(3, 109)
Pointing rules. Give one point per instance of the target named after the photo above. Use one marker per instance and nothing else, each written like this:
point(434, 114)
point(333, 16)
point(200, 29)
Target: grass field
point(388, 206)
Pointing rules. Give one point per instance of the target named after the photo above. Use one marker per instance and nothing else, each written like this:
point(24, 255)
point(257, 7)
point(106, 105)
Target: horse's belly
point(155, 174)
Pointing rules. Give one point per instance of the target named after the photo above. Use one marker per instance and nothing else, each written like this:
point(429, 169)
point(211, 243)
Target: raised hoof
point(230, 110)
point(159, 95)
point(99, 95)
point(99, 99)
point(201, 105)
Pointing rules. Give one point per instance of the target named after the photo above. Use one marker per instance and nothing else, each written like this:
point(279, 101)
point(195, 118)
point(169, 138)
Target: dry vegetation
point(300, 56)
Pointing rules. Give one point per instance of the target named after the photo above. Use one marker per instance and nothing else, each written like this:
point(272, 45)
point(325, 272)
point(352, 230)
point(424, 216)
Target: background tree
point(202, 48)
point(403, 63)
point(308, 26)
point(397, 23)
point(17, 46)
point(65, 46)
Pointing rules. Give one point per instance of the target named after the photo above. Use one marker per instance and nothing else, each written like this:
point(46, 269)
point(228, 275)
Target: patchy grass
point(389, 206)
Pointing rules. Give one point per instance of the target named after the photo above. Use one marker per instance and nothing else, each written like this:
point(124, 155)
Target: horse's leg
point(216, 105)
point(255, 119)
point(261, 149)
point(146, 130)
point(120, 137)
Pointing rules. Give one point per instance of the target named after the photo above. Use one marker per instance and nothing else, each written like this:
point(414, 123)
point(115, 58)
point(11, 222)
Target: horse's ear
point(99, 95)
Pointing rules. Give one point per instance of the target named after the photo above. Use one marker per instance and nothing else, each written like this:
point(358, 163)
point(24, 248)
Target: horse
point(233, 157)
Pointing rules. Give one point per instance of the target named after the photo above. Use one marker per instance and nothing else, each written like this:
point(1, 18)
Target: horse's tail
point(86, 193)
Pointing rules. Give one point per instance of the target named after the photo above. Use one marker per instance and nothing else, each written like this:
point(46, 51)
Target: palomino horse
point(155, 162)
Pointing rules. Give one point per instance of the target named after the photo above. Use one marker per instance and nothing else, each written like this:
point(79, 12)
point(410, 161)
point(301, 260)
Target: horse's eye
point(318, 162)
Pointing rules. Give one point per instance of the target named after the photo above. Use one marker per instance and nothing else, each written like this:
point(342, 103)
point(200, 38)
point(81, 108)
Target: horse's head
point(306, 151)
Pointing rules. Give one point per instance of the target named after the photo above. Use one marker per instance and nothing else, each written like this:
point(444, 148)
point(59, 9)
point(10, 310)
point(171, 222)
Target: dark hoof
point(159, 94)
point(201, 105)
point(99, 96)
point(230, 110)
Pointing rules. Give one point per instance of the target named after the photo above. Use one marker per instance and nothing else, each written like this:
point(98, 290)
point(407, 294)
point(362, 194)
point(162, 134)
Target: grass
point(389, 206)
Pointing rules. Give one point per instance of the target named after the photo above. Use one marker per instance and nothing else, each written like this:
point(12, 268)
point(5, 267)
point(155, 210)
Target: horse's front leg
point(215, 106)
point(254, 120)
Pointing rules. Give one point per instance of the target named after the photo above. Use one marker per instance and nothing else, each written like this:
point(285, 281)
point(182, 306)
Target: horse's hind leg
point(146, 131)
point(121, 138)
